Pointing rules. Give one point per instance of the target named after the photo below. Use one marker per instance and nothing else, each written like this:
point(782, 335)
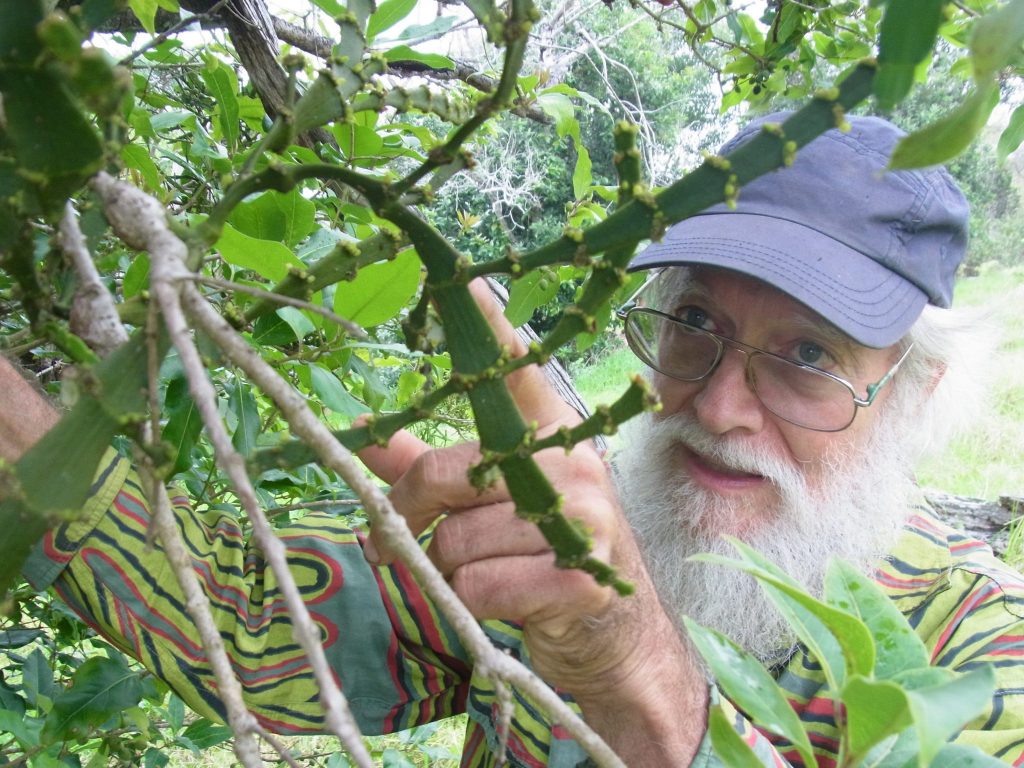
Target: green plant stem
point(705, 186)
point(516, 33)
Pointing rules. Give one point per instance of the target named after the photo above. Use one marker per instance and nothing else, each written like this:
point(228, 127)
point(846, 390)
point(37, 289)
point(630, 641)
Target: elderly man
point(799, 377)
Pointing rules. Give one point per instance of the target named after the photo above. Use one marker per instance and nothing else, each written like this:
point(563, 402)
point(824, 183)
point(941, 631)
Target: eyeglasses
point(796, 392)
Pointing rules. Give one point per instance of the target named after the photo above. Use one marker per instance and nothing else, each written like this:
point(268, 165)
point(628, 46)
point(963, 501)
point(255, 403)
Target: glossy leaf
point(243, 405)
point(996, 40)
point(16, 637)
point(432, 60)
point(332, 394)
point(906, 37)
point(941, 711)
point(438, 26)
point(15, 724)
point(284, 217)
point(822, 628)
point(964, 756)
point(528, 294)
point(728, 744)
point(101, 688)
point(949, 136)
point(266, 258)
point(875, 711)
point(136, 157)
point(145, 12)
point(136, 277)
point(898, 647)
point(223, 86)
point(183, 423)
point(388, 13)
point(379, 291)
point(1013, 135)
point(748, 685)
point(205, 733)
point(581, 175)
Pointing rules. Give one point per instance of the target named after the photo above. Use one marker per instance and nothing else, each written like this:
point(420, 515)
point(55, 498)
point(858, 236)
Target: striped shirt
point(398, 660)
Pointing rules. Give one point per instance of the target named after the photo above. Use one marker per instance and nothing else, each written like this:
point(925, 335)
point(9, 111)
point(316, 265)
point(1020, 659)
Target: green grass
point(987, 461)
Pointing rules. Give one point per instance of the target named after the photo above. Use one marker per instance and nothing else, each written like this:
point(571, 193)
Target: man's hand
point(25, 416)
point(621, 658)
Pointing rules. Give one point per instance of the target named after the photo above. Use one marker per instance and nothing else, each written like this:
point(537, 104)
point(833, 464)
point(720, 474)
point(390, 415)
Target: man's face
point(725, 405)
point(716, 461)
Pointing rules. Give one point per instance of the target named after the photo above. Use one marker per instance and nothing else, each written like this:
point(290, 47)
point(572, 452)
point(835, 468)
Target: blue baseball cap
point(864, 247)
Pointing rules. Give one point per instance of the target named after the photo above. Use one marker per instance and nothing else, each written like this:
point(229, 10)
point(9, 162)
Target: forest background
point(194, 121)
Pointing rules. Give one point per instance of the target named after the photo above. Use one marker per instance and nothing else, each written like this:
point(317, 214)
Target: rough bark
point(985, 520)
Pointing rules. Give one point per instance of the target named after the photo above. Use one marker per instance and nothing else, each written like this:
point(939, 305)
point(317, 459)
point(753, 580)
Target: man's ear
point(937, 373)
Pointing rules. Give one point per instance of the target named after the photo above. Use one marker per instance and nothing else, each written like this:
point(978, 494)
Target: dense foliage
point(344, 185)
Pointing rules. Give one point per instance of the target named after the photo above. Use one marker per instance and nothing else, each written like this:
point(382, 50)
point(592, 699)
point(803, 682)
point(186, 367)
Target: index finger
point(533, 393)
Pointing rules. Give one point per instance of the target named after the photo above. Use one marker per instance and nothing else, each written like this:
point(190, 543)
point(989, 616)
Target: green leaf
point(949, 136)
point(728, 744)
point(898, 647)
point(20, 727)
point(136, 157)
point(438, 26)
point(379, 291)
point(748, 685)
point(388, 13)
point(37, 681)
point(432, 60)
point(964, 756)
point(136, 277)
point(332, 394)
point(183, 423)
point(559, 108)
point(101, 687)
point(223, 86)
point(1012, 137)
point(906, 37)
point(581, 176)
point(206, 733)
point(267, 258)
point(996, 40)
point(822, 628)
point(875, 710)
point(942, 710)
point(409, 383)
point(296, 319)
point(528, 293)
point(145, 12)
point(285, 217)
point(16, 637)
point(243, 405)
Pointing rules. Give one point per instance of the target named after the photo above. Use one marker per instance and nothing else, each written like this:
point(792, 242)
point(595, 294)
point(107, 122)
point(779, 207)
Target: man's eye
point(695, 316)
point(810, 353)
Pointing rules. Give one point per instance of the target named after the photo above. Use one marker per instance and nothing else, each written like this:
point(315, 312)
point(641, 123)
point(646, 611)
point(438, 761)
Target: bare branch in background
point(93, 314)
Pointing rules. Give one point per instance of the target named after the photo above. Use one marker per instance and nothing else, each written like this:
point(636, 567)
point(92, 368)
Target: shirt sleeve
point(397, 660)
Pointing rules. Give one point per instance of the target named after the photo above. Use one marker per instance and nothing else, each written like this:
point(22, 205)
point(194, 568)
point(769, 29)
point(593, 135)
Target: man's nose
point(727, 401)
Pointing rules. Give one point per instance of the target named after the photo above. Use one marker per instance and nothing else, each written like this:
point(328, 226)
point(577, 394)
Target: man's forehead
point(708, 282)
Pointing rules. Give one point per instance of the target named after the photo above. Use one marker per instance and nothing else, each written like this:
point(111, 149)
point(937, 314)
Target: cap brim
point(870, 303)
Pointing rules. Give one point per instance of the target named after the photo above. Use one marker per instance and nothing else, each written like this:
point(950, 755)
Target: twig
point(351, 328)
point(243, 722)
point(392, 528)
point(139, 220)
point(183, 24)
point(93, 314)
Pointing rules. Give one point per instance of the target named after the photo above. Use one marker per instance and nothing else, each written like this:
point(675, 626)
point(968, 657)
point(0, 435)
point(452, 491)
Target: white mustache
point(733, 453)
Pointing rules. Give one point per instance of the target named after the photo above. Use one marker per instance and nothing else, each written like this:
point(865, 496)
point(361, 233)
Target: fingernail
point(370, 552)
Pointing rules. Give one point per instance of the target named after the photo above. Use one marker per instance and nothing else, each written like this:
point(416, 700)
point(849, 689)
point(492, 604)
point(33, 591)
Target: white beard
point(855, 516)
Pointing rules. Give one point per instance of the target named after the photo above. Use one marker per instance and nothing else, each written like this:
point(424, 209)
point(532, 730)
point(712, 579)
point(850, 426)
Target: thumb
point(392, 461)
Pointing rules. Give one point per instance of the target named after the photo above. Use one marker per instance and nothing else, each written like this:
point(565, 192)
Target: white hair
point(946, 378)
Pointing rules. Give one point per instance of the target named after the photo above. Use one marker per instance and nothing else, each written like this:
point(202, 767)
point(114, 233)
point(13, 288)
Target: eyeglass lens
point(797, 394)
